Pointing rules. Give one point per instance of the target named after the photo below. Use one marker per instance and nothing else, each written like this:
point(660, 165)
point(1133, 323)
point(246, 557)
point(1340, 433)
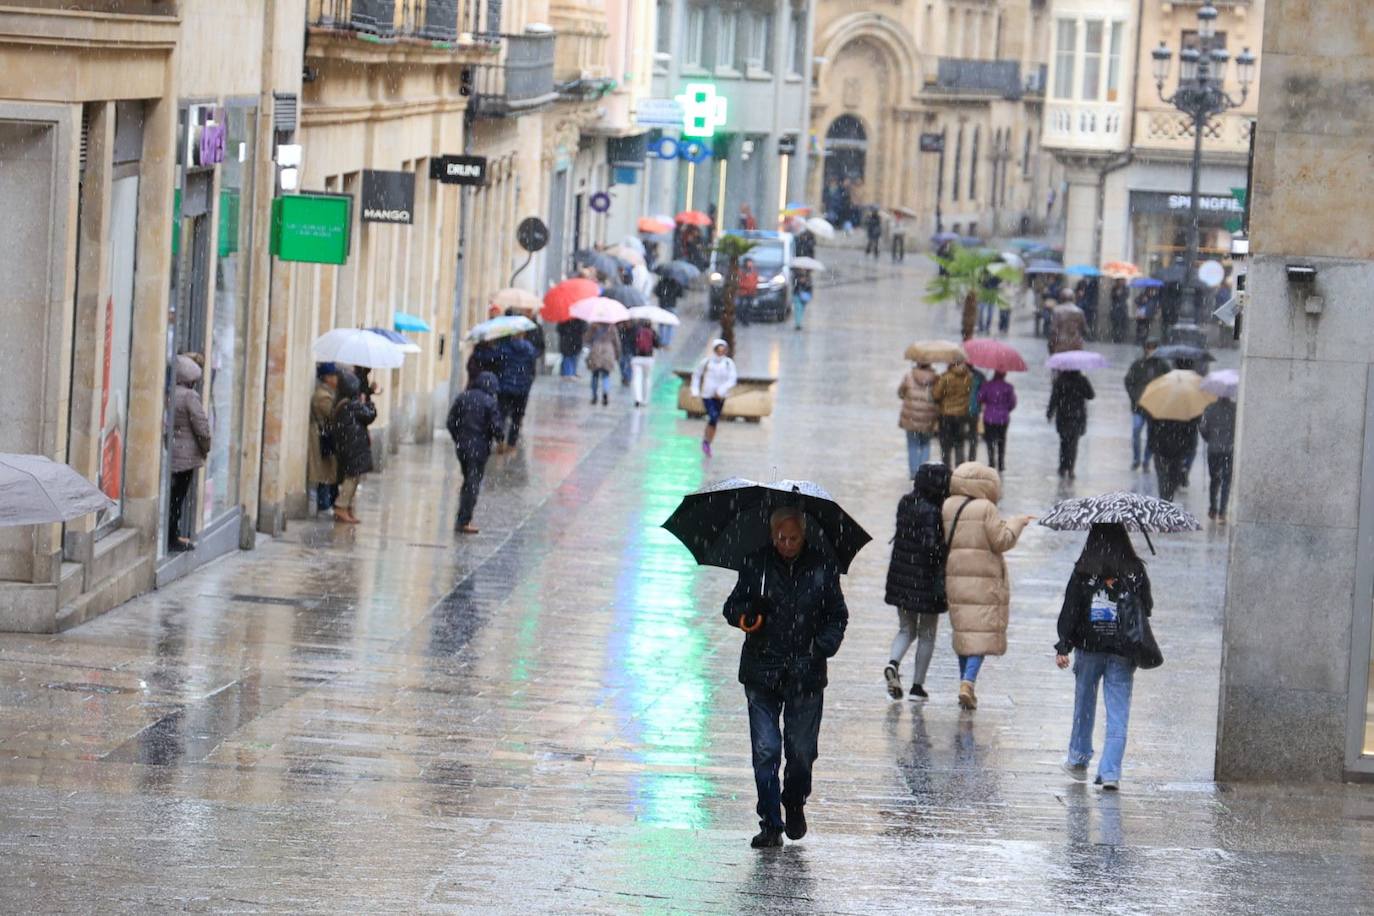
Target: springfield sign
point(312, 228)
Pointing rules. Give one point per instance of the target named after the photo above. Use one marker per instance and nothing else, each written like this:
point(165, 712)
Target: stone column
point(1293, 598)
point(1080, 212)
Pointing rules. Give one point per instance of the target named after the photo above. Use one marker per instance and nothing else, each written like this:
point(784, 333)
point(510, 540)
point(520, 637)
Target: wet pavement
point(545, 718)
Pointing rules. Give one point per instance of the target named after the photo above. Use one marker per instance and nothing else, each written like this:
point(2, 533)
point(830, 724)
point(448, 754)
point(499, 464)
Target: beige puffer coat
point(919, 411)
point(976, 575)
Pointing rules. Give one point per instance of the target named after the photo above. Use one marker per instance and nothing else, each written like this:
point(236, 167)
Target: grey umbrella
point(682, 272)
point(35, 490)
point(627, 296)
point(603, 263)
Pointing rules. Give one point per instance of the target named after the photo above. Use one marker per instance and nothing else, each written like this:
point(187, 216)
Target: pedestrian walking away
point(515, 378)
point(802, 290)
point(603, 358)
point(570, 334)
point(1108, 585)
point(474, 423)
point(916, 577)
point(976, 582)
point(1067, 327)
point(1173, 441)
point(898, 239)
point(353, 414)
point(668, 292)
point(1218, 430)
point(998, 399)
point(190, 446)
point(1142, 372)
point(712, 381)
point(1068, 409)
point(953, 393)
point(322, 469)
point(920, 417)
point(789, 604)
point(644, 342)
point(625, 330)
point(975, 412)
point(873, 226)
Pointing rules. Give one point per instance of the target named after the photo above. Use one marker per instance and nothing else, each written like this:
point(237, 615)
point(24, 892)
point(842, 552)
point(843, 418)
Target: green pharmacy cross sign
point(702, 110)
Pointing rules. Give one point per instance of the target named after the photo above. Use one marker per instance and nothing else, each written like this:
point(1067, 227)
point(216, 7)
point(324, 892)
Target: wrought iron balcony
point(979, 77)
point(520, 83)
point(430, 20)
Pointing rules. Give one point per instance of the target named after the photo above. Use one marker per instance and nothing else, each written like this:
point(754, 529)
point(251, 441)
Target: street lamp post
point(1201, 96)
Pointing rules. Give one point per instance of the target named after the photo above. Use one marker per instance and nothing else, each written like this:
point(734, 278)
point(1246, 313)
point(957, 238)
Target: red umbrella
point(558, 301)
point(986, 353)
point(693, 218)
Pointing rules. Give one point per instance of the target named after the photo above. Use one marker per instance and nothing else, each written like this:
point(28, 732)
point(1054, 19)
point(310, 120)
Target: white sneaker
point(1078, 772)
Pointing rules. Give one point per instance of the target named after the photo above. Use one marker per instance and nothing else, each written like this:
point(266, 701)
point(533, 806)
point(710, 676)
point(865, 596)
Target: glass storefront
point(117, 327)
point(1159, 227)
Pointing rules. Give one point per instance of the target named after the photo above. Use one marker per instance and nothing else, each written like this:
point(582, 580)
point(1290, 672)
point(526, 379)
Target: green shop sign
point(313, 228)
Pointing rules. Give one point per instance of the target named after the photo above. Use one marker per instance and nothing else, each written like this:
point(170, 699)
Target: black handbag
point(1136, 639)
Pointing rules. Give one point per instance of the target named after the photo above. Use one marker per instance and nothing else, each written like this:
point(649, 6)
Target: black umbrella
point(726, 523)
point(1134, 510)
point(1184, 352)
point(682, 272)
point(627, 296)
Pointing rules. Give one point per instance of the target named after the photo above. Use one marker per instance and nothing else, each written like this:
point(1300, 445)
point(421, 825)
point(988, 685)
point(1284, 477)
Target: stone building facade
point(967, 76)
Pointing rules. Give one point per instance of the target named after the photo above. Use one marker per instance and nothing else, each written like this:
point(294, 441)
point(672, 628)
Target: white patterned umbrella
point(1134, 510)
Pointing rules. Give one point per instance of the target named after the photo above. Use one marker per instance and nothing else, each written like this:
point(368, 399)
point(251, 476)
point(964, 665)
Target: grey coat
point(190, 425)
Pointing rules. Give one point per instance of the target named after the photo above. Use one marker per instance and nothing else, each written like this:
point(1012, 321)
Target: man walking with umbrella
point(1142, 372)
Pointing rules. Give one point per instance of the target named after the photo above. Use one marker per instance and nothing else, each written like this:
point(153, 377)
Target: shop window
point(1092, 60)
point(1065, 56)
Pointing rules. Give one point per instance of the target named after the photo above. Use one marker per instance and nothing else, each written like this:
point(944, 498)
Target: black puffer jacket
point(1069, 399)
point(804, 620)
point(352, 416)
point(1075, 629)
point(474, 419)
point(1173, 438)
point(916, 574)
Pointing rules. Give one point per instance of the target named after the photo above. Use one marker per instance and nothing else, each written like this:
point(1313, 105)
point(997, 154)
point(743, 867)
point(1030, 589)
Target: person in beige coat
point(976, 581)
point(920, 414)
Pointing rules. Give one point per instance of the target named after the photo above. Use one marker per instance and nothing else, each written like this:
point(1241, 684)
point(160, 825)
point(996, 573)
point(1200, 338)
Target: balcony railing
point(980, 77)
point(522, 82)
point(1085, 125)
point(431, 20)
point(1167, 128)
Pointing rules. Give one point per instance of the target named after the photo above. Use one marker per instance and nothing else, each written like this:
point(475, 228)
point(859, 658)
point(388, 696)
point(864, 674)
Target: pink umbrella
point(600, 310)
point(1076, 360)
point(986, 353)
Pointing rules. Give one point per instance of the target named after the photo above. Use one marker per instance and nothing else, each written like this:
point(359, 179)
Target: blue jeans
point(625, 358)
point(1140, 428)
point(569, 368)
point(985, 310)
point(917, 450)
point(798, 737)
point(969, 666)
point(325, 494)
point(799, 307)
point(1117, 674)
point(665, 334)
point(603, 378)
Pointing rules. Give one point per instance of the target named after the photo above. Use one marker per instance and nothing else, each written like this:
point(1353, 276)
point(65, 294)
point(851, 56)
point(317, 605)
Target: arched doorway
point(846, 158)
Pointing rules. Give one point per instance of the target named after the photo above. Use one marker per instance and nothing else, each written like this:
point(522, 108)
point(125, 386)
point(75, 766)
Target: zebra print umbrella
point(1134, 510)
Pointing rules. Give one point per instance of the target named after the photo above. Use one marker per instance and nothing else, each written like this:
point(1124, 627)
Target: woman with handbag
point(1104, 622)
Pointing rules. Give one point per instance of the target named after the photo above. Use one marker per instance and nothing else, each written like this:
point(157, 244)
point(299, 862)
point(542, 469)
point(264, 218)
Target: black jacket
point(805, 244)
point(1218, 426)
point(570, 336)
point(1074, 629)
point(352, 442)
point(1142, 372)
point(515, 360)
point(916, 574)
point(1173, 438)
point(474, 419)
point(1069, 403)
point(804, 620)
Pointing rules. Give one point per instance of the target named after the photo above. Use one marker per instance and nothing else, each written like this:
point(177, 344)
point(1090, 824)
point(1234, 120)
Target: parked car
point(772, 255)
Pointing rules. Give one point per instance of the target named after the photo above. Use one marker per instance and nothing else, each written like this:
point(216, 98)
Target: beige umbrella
point(521, 300)
point(935, 351)
point(1176, 395)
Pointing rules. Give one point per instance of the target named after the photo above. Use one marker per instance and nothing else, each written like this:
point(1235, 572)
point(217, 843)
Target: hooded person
point(322, 468)
point(976, 582)
point(517, 361)
point(1108, 574)
point(474, 422)
point(998, 399)
point(712, 381)
point(190, 445)
point(353, 414)
point(920, 417)
point(1068, 408)
point(1218, 430)
point(916, 576)
point(953, 393)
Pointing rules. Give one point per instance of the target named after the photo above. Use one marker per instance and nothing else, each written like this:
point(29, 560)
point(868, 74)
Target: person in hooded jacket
point(953, 393)
point(789, 603)
point(603, 358)
point(1218, 429)
point(516, 361)
point(712, 381)
point(976, 582)
point(190, 446)
point(1106, 571)
point(1069, 397)
point(998, 400)
point(920, 417)
point(353, 414)
point(474, 422)
point(916, 576)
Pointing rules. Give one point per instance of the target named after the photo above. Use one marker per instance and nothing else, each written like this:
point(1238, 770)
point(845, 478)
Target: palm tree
point(970, 276)
point(732, 248)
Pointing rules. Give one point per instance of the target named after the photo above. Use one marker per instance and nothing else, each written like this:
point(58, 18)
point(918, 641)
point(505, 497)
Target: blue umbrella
point(1145, 283)
point(402, 321)
point(1025, 244)
point(400, 340)
point(1043, 267)
point(945, 237)
point(1083, 270)
point(970, 241)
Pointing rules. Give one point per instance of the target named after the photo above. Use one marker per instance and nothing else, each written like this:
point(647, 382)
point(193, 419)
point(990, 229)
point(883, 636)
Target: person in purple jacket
point(998, 400)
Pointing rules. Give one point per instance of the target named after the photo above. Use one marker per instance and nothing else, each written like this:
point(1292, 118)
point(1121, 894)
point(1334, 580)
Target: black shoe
point(593, 399)
point(767, 838)
point(919, 692)
point(605, 399)
point(796, 822)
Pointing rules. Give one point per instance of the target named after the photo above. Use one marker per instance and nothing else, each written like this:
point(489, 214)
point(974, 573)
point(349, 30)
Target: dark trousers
point(1170, 472)
point(797, 740)
point(872, 246)
point(474, 464)
point(325, 494)
point(1219, 466)
point(181, 488)
point(899, 248)
point(513, 413)
point(953, 435)
point(1068, 450)
point(995, 435)
point(1003, 319)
